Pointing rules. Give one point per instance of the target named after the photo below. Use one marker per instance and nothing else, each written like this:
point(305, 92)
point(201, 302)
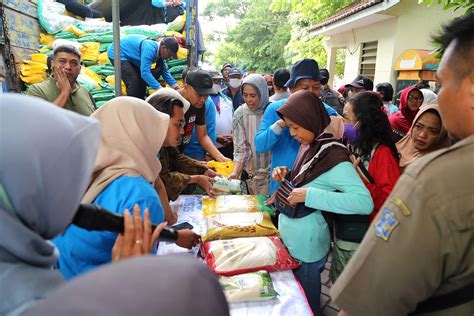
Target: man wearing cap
point(273, 135)
point(225, 75)
point(62, 88)
point(137, 55)
point(280, 77)
point(360, 84)
point(233, 90)
point(198, 85)
point(330, 96)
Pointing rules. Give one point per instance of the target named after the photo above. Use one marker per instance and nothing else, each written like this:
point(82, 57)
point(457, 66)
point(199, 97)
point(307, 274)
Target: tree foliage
point(271, 33)
point(467, 5)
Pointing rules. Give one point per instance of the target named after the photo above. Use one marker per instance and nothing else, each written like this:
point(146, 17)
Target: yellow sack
point(171, 33)
point(46, 39)
point(37, 78)
point(222, 168)
point(111, 80)
point(71, 28)
point(39, 58)
point(103, 58)
point(182, 53)
point(235, 225)
point(91, 74)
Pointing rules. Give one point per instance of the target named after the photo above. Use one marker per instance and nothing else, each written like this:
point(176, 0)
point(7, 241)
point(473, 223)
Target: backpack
point(330, 97)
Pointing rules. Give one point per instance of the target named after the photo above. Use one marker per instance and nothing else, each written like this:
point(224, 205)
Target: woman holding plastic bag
point(322, 179)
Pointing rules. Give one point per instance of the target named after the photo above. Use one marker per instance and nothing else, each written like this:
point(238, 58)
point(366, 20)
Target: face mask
point(234, 83)
point(217, 87)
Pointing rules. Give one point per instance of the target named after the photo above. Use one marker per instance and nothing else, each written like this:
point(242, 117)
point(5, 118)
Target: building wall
point(410, 28)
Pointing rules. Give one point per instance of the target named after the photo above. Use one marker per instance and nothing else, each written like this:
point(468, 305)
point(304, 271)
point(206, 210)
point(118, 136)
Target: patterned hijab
point(306, 109)
point(132, 135)
point(47, 156)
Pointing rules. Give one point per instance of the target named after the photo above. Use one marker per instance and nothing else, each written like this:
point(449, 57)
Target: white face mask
point(217, 87)
point(234, 82)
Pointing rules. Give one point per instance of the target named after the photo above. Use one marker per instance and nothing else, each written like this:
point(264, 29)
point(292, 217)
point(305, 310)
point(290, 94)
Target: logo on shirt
point(386, 224)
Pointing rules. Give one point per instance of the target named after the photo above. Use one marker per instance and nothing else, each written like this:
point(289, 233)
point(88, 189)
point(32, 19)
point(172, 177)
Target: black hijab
point(307, 110)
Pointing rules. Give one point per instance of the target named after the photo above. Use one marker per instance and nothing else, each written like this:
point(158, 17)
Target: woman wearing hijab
point(135, 287)
point(426, 134)
point(373, 150)
point(124, 172)
point(429, 97)
point(246, 123)
point(41, 185)
point(410, 102)
point(324, 180)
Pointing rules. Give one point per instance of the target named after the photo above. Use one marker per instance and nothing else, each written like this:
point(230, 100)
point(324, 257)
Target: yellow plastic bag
point(46, 39)
point(37, 78)
point(71, 28)
point(39, 58)
point(103, 58)
point(182, 53)
point(222, 168)
point(234, 225)
point(111, 80)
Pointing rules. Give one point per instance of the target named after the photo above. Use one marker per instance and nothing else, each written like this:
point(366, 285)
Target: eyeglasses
point(410, 98)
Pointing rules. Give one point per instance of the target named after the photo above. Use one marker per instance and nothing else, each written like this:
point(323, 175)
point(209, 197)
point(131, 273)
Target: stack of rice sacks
point(92, 38)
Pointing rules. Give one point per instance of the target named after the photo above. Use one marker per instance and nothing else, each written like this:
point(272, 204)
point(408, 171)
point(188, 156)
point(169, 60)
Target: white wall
point(410, 28)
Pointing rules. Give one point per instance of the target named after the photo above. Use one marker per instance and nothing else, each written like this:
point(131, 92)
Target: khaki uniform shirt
point(177, 169)
point(80, 100)
point(421, 244)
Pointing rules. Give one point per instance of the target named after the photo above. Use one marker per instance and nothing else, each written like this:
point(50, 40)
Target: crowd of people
point(345, 171)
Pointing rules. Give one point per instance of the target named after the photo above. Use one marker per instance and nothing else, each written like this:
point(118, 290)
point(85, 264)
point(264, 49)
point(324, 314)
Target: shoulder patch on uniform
point(401, 206)
point(386, 224)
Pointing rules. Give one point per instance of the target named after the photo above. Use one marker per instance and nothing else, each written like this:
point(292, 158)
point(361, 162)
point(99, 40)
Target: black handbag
point(283, 206)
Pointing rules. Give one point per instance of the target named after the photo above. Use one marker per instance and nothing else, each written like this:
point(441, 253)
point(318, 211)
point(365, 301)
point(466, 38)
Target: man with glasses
point(198, 85)
point(61, 88)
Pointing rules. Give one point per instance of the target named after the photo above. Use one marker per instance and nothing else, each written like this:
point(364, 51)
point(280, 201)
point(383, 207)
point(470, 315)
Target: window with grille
point(367, 59)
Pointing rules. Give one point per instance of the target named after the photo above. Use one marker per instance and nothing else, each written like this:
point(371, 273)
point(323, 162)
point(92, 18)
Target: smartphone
point(184, 225)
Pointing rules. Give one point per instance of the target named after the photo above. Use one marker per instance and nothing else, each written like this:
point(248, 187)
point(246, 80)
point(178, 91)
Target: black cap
point(280, 77)
point(362, 82)
point(303, 69)
point(234, 72)
point(324, 75)
point(201, 81)
point(172, 44)
point(226, 65)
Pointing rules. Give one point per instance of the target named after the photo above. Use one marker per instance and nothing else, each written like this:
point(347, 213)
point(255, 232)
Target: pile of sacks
point(92, 38)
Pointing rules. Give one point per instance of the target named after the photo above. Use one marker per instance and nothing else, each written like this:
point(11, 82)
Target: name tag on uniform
point(386, 224)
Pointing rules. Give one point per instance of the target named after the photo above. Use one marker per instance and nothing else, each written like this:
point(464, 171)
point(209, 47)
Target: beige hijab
point(408, 152)
point(132, 135)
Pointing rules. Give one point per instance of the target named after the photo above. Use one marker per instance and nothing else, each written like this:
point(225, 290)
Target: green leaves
point(455, 5)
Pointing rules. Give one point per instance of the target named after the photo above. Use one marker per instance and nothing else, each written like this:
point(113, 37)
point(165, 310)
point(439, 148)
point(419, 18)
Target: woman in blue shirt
point(324, 180)
point(126, 167)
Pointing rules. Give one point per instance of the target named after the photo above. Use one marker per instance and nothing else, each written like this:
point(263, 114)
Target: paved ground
point(328, 307)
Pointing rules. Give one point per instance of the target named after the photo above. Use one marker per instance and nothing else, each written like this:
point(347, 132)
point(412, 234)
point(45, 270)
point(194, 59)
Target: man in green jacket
point(61, 88)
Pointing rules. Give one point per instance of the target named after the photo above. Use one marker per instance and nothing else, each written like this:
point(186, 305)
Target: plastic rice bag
point(253, 286)
point(235, 204)
point(234, 225)
point(243, 255)
point(227, 186)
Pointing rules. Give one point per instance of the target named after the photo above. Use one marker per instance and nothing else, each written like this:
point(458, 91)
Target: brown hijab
point(406, 148)
point(307, 110)
point(132, 135)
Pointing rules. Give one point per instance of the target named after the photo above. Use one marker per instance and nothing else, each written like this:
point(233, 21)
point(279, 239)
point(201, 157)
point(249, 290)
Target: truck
point(20, 37)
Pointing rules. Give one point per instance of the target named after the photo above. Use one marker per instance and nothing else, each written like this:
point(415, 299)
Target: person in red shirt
point(373, 148)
